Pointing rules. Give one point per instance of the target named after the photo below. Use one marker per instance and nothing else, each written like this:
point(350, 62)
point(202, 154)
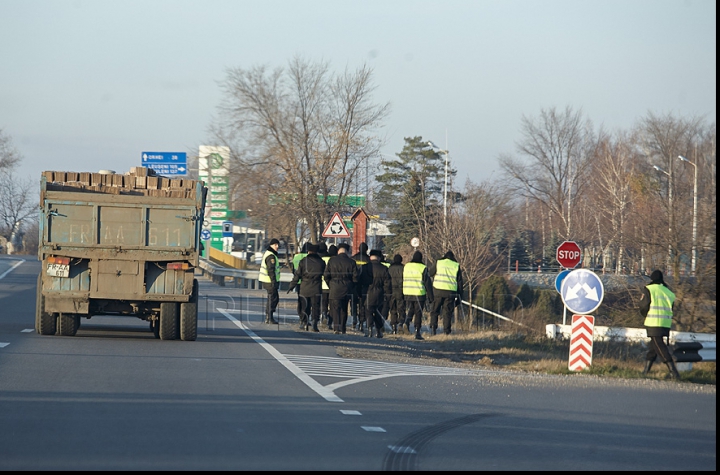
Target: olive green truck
point(114, 244)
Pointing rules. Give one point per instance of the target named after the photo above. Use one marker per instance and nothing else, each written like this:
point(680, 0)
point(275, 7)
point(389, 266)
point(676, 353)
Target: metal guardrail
point(694, 351)
point(241, 277)
point(225, 259)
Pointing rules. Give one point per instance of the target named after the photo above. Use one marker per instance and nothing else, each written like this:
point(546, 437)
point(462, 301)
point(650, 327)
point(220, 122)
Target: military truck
point(119, 244)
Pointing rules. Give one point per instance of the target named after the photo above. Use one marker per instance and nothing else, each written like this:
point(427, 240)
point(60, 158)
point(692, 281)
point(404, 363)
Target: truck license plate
point(58, 270)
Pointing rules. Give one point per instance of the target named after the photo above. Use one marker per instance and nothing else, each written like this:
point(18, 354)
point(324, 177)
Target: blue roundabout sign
point(582, 291)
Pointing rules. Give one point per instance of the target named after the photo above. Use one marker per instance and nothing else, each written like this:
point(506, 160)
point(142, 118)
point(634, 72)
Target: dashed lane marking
point(3, 345)
point(373, 429)
point(402, 450)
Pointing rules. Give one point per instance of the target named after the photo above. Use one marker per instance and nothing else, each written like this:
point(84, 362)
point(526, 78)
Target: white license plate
point(58, 270)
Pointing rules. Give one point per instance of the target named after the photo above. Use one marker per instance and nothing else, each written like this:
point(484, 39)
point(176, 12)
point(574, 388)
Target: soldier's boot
point(418, 336)
point(648, 365)
point(434, 331)
point(673, 370)
point(315, 327)
point(270, 319)
point(394, 329)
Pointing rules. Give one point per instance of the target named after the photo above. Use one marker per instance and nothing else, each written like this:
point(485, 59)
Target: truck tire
point(188, 316)
point(68, 324)
point(45, 323)
point(168, 321)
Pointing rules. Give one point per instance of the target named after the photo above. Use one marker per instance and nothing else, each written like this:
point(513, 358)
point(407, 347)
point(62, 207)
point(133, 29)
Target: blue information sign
point(559, 279)
point(205, 235)
point(582, 291)
point(166, 163)
point(227, 229)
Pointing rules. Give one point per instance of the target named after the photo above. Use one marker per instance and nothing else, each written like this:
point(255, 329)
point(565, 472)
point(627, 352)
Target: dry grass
point(517, 351)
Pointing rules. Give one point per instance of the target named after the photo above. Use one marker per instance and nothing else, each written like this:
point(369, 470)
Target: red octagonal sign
point(568, 254)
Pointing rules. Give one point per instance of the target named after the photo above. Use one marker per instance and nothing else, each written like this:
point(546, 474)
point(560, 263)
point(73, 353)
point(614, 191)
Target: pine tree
point(410, 188)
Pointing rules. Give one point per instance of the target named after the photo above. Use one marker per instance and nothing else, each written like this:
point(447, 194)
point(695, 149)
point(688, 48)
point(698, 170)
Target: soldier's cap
point(274, 241)
point(376, 252)
point(344, 245)
point(312, 247)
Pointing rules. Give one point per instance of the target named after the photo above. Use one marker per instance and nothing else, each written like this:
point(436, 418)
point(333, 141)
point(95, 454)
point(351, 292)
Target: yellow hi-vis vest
point(446, 275)
point(264, 276)
point(322, 279)
point(412, 279)
point(661, 302)
point(296, 262)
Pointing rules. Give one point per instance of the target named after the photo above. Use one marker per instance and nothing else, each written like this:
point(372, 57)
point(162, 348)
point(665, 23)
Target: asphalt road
point(250, 396)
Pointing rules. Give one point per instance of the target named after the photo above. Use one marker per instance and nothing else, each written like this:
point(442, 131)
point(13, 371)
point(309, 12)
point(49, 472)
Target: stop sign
point(568, 254)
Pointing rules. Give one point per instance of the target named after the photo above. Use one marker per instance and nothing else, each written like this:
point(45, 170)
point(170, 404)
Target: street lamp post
point(446, 181)
point(670, 216)
point(695, 209)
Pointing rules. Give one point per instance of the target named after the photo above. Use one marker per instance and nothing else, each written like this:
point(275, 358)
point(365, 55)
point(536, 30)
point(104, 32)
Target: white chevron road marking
point(355, 371)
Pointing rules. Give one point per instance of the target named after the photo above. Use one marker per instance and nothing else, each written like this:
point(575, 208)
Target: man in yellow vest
point(270, 279)
point(656, 303)
point(447, 290)
point(417, 289)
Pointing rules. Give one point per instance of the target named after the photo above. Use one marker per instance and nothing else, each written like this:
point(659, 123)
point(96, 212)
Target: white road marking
point(358, 371)
point(12, 268)
point(362, 370)
point(402, 450)
point(351, 413)
point(27, 330)
point(3, 345)
point(312, 384)
point(373, 429)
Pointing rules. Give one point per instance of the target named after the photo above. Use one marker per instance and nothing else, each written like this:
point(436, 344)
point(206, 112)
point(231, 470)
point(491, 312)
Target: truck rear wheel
point(188, 316)
point(45, 323)
point(168, 321)
point(68, 324)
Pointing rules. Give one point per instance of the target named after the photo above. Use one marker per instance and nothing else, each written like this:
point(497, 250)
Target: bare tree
point(9, 155)
point(556, 149)
point(662, 138)
point(471, 233)
point(613, 171)
point(307, 131)
point(17, 204)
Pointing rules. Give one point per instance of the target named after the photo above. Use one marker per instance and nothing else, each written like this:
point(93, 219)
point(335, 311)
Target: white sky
point(89, 85)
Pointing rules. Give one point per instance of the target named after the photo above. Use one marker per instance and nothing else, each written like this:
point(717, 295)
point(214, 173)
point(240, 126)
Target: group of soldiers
point(333, 285)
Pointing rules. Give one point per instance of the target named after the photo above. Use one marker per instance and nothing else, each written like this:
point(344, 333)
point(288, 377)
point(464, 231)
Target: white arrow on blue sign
point(205, 235)
point(582, 291)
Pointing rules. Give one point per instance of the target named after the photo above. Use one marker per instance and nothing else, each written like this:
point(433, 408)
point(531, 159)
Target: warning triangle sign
point(336, 228)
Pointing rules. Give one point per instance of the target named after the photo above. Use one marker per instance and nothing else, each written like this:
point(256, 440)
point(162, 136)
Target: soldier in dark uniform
point(380, 287)
point(341, 275)
point(362, 258)
point(309, 273)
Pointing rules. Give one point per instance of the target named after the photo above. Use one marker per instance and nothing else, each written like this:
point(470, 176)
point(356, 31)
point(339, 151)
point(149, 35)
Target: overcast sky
point(89, 85)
